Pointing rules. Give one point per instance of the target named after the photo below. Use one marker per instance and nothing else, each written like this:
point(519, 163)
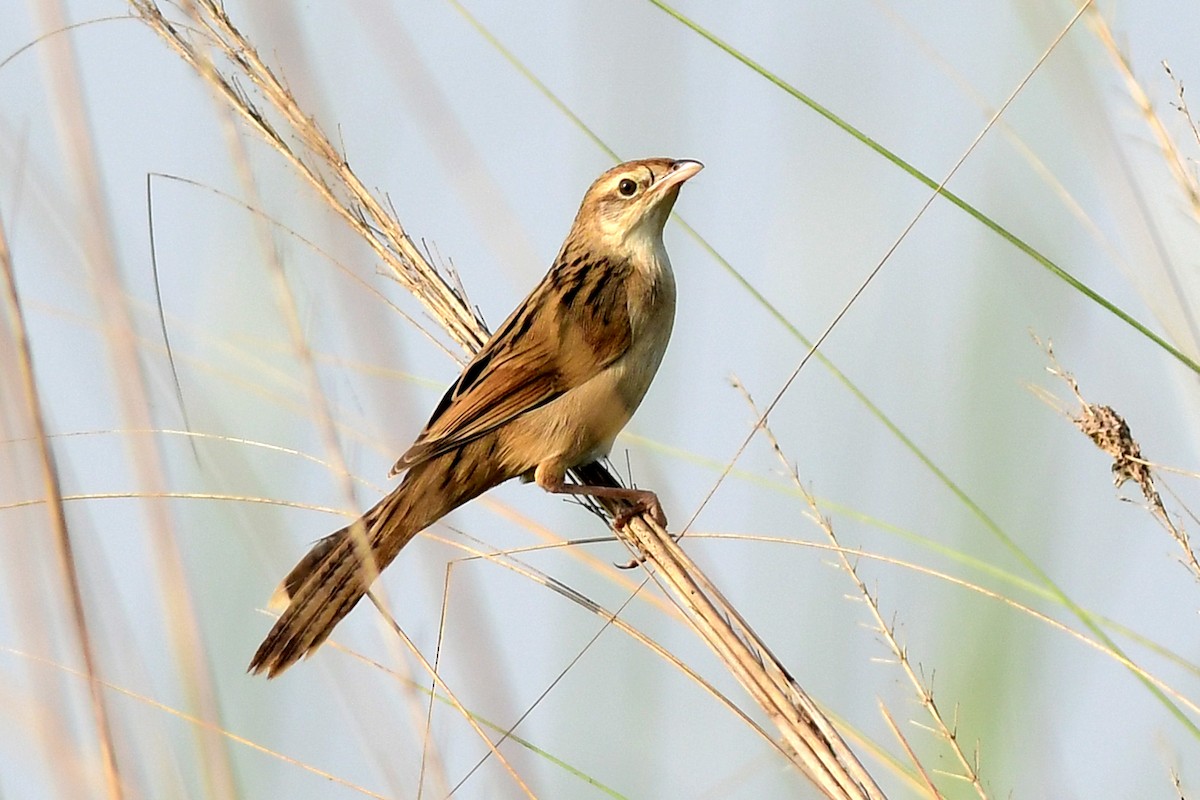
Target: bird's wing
point(572, 326)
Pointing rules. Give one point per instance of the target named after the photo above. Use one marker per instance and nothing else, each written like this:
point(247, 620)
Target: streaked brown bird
point(548, 392)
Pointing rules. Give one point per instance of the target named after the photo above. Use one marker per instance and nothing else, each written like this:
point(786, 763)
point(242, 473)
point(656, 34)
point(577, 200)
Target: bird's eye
point(626, 187)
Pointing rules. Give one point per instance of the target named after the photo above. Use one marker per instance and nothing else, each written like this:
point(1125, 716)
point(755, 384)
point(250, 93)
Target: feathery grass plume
point(1109, 431)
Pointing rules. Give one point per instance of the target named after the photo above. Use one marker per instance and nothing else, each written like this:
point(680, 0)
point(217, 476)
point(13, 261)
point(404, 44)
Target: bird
point(549, 391)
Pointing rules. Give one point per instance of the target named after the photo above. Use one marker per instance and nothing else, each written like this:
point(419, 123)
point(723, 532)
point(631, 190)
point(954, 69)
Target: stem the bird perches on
point(212, 45)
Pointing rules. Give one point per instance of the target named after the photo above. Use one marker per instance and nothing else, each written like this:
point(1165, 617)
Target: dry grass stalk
point(493, 747)
point(817, 750)
point(1108, 430)
point(1176, 291)
point(970, 766)
point(58, 518)
point(1182, 107)
point(815, 745)
point(930, 787)
point(316, 159)
point(201, 723)
point(1175, 160)
point(131, 387)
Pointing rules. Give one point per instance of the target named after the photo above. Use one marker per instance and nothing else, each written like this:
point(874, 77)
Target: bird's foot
point(644, 502)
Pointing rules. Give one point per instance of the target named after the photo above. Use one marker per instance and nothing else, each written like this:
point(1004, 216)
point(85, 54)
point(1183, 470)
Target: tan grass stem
point(58, 520)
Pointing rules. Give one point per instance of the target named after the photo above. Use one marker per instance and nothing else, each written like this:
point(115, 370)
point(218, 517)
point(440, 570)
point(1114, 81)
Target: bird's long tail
point(333, 577)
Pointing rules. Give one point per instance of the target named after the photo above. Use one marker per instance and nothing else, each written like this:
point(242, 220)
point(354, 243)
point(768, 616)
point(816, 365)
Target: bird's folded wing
point(544, 349)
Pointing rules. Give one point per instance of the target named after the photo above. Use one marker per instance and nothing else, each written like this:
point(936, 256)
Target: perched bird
point(548, 392)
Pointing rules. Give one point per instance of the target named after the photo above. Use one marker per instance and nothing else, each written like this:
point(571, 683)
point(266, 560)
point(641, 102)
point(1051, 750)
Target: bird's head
point(628, 205)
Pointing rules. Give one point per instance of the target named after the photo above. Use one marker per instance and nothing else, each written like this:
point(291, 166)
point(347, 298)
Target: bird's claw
point(632, 563)
point(646, 505)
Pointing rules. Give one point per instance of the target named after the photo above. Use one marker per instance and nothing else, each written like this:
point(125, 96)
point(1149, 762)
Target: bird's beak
point(680, 172)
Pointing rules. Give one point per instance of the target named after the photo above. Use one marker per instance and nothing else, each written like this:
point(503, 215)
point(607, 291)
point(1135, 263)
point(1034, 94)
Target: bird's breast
point(580, 425)
point(651, 305)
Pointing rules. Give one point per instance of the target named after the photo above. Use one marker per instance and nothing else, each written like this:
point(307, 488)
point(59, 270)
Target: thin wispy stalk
point(1176, 165)
point(200, 723)
point(53, 501)
point(132, 387)
point(1190, 704)
point(881, 625)
point(939, 189)
point(912, 755)
point(493, 747)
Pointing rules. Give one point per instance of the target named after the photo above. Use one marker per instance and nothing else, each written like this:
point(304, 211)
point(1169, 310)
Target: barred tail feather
point(331, 578)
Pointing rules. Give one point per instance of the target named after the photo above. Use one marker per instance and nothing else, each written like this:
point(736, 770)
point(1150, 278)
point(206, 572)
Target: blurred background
point(186, 503)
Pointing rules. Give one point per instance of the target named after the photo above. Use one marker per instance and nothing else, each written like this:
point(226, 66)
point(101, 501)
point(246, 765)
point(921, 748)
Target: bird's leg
point(644, 501)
